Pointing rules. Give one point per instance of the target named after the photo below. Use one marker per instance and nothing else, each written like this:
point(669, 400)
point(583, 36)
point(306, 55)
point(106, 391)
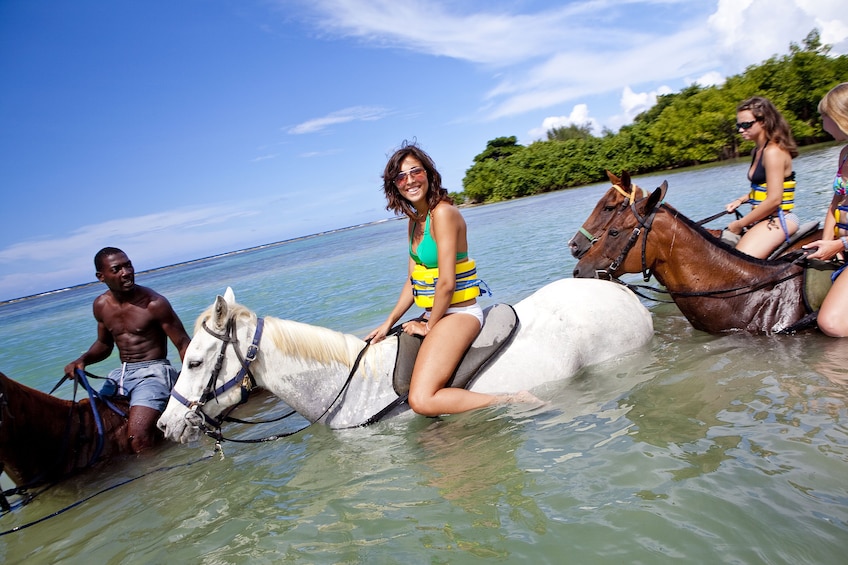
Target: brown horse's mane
point(718, 242)
point(44, 438)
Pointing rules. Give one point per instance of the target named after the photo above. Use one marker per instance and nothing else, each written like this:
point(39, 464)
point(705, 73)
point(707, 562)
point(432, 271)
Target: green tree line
point(690, 127)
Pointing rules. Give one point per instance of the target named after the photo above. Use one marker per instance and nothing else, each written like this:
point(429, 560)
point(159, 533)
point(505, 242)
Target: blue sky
point(178, 129)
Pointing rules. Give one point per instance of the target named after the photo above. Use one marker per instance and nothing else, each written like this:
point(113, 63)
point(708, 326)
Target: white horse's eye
point(194, 364)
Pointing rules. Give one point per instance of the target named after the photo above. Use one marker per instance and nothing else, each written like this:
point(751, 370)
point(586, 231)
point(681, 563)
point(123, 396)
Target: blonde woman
point(833, 315)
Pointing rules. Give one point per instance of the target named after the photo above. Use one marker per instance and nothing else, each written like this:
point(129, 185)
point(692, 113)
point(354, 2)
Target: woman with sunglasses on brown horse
point(438, 249)
point(772, 196)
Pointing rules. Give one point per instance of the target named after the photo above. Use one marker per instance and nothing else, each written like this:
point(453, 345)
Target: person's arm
point(830, 218)
point(404, 303)
point(828, 246)
point(774, 163)
point(98, 351)
point(736, 203)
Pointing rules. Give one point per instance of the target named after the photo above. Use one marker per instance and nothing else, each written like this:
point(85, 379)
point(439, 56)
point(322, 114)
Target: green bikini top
point(427, 252)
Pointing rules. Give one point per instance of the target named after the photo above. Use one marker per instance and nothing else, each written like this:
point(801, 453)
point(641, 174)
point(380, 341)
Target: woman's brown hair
point(776, 126)
point(397, 203)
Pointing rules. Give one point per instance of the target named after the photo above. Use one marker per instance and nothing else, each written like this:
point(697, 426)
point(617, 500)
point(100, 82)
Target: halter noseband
point(244, 378)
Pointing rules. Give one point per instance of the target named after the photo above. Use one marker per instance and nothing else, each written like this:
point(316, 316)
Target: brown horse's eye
point(613, 232)
point(609, 208)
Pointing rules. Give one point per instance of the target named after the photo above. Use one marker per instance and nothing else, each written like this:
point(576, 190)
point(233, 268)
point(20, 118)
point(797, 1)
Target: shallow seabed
point(697, 448)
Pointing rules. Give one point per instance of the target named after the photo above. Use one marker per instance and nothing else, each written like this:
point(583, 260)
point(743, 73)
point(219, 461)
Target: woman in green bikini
point(437, 246)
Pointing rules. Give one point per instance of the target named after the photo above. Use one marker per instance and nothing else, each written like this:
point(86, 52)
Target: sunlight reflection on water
point(709, 448)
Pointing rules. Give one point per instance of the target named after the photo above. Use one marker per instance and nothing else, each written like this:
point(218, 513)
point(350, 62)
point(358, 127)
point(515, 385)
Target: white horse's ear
point(230, 296)
point(221, 310)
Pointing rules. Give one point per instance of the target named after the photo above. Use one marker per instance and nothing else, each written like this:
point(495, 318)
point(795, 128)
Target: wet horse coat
point(44, 438)
point(717, 288)
point(563, 327)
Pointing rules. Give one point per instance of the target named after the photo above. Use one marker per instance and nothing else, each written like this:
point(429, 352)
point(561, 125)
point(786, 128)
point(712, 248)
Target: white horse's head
point(214, 373)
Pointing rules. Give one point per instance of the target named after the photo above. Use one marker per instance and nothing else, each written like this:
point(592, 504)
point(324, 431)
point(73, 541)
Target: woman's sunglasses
point(415, 172)
point(746, 125)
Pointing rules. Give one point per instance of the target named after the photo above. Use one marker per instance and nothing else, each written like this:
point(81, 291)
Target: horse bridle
point(243, 379)
point(644, 223)
point(630, 197)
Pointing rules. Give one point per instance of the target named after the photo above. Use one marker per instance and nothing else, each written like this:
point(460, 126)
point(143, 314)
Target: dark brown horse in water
point(717, 288)
point(44, 438)
point(621, 195)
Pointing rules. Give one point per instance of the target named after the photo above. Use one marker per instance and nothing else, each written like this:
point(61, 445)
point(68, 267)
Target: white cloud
point(579, 116)
point(634, 103)
point(565, 54)
point(490, 37)
point(353, 114)
point(712, 78)
point(155, 240)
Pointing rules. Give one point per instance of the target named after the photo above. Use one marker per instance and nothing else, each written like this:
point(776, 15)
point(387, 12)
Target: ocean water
point(698, 448)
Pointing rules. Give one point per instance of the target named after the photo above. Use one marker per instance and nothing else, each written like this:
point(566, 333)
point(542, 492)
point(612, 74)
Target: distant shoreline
point(202, 259)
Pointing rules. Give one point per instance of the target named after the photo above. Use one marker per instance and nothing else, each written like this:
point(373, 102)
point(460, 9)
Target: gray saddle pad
point(500, 322)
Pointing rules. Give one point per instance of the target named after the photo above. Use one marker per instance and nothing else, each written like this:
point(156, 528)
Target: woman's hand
point(379, 334)
point(735, 227)
point(417, 327)
point(827, 248)
point(734, 205)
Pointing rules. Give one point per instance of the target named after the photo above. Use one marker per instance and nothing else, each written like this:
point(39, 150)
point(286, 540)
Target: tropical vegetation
point(690, 127)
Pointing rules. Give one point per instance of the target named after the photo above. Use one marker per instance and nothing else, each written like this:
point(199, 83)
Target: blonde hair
point(835, 105)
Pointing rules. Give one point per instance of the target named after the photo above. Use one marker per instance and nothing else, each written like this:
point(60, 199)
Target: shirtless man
point(140, 322)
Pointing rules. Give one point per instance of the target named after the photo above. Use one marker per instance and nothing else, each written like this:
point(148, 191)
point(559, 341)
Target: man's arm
point(98, 351)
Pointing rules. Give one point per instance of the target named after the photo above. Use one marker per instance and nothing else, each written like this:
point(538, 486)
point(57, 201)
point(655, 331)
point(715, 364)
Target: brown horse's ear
point(625, 179)
point(613, 179)
point(221, 311)
point(656, 198)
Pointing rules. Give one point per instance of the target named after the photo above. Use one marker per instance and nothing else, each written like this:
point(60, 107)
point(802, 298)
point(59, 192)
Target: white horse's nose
point(193, 419)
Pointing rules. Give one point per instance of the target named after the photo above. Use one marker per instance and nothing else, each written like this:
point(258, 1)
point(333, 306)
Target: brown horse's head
point(613, 252)
point(620, 195)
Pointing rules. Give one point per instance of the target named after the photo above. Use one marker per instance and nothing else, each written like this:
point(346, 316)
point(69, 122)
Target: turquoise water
point(698, 448)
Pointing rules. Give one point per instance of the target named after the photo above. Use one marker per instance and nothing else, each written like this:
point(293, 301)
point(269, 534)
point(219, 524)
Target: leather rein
point(243, 379)
point(247, 382)
point(646, 223)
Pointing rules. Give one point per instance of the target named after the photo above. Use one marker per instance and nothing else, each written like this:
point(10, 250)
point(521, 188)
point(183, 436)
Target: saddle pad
point(817, 282)
point(500, 322)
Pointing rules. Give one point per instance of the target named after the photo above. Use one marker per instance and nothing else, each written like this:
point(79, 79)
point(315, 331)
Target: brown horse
point(620, 195)
point(717, 288)
point(623, 193)
point(44, 438)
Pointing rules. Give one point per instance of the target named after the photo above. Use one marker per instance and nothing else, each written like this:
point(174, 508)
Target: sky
point(180, 129)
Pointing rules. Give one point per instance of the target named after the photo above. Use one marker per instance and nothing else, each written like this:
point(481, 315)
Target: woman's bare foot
point(520, 397)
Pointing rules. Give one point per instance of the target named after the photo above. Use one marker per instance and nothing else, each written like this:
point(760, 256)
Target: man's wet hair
point(102, 254)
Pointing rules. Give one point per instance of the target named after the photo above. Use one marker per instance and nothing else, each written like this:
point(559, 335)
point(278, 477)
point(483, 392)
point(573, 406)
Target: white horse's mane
point(291, 338)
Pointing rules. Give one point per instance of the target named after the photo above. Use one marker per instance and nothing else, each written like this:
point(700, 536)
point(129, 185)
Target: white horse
point(564, 326)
